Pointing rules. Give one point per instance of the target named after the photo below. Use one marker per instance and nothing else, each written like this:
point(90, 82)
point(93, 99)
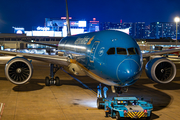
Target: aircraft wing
point(160, 52)
point(61, 60)
point(46, 44)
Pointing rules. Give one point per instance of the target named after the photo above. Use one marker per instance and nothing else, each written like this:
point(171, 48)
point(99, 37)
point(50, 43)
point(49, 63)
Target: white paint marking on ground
point(1, 109)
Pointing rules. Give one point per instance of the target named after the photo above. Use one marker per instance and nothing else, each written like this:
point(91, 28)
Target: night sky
point(29, 13)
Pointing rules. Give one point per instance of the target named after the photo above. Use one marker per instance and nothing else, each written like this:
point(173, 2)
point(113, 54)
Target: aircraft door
point(93, 51)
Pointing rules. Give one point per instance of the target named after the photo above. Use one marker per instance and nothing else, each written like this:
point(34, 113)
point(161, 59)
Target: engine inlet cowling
point(18, 70)
point(161, 70)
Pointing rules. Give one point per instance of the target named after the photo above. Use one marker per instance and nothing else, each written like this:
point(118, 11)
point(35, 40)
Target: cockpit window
point(137, 51)
point(121, 51)
point(111, 51)
point(131, 51)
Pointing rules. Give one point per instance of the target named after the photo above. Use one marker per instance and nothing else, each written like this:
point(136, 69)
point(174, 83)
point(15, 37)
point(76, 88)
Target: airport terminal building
point(56, 27)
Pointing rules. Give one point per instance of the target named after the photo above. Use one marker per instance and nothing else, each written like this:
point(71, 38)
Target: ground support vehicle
point(126, 107)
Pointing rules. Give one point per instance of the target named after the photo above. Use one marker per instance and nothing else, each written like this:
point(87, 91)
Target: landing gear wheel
point(118, 90)
point(57, 81)
point(118, 116)
point(99, 106)
point(47, 81)
point(52, 80)
point(125, 89)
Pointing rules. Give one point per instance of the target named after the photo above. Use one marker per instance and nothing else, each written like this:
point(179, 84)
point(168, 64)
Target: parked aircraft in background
point(175, 53)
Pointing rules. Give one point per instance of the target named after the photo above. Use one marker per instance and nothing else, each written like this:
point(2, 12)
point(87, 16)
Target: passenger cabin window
point(121, 51)
point(131, 51)
point(111, 51)
point(137, 51)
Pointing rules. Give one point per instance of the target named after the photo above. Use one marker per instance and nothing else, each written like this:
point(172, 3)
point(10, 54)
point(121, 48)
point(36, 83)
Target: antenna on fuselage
point(67, 21)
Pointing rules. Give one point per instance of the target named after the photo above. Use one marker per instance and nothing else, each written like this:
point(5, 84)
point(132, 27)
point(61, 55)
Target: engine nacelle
point(161, 70)
point(18, 70)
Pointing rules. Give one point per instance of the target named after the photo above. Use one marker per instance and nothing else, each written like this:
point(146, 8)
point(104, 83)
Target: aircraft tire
point(47, 81)
point(100, 100)
point(118, 116)
point(125, 89)
point(57, 81)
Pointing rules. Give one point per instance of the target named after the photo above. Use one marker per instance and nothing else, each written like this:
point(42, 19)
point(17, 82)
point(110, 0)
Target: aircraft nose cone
point(127, 70)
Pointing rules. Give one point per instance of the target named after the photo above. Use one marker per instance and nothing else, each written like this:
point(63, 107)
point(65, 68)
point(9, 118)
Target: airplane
point(110, 57)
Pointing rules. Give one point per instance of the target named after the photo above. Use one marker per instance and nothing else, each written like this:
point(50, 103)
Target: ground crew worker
point(99, 91)
point(105, 89)
point(107, 111)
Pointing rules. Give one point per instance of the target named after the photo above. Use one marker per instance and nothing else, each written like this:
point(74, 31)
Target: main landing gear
point(52, 80)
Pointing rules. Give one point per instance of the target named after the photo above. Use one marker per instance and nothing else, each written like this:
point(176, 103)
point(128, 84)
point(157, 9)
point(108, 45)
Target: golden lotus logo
point(88, 43)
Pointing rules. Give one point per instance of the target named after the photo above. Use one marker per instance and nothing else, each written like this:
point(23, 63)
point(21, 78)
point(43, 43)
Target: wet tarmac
point(71, 100)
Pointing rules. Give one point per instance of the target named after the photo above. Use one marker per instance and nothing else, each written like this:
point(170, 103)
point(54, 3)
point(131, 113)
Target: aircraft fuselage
point(110, 56)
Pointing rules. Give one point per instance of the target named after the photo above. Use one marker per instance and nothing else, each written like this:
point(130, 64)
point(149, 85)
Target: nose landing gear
point(119, 90)
point(125, 89)
point(52, 80)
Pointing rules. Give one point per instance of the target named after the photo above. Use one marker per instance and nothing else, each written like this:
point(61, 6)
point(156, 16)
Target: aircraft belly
point(94, 74)
point(101, 79)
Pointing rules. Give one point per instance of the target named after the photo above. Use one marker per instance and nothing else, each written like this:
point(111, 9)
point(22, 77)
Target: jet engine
point(161, 70)
point(18, 70)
